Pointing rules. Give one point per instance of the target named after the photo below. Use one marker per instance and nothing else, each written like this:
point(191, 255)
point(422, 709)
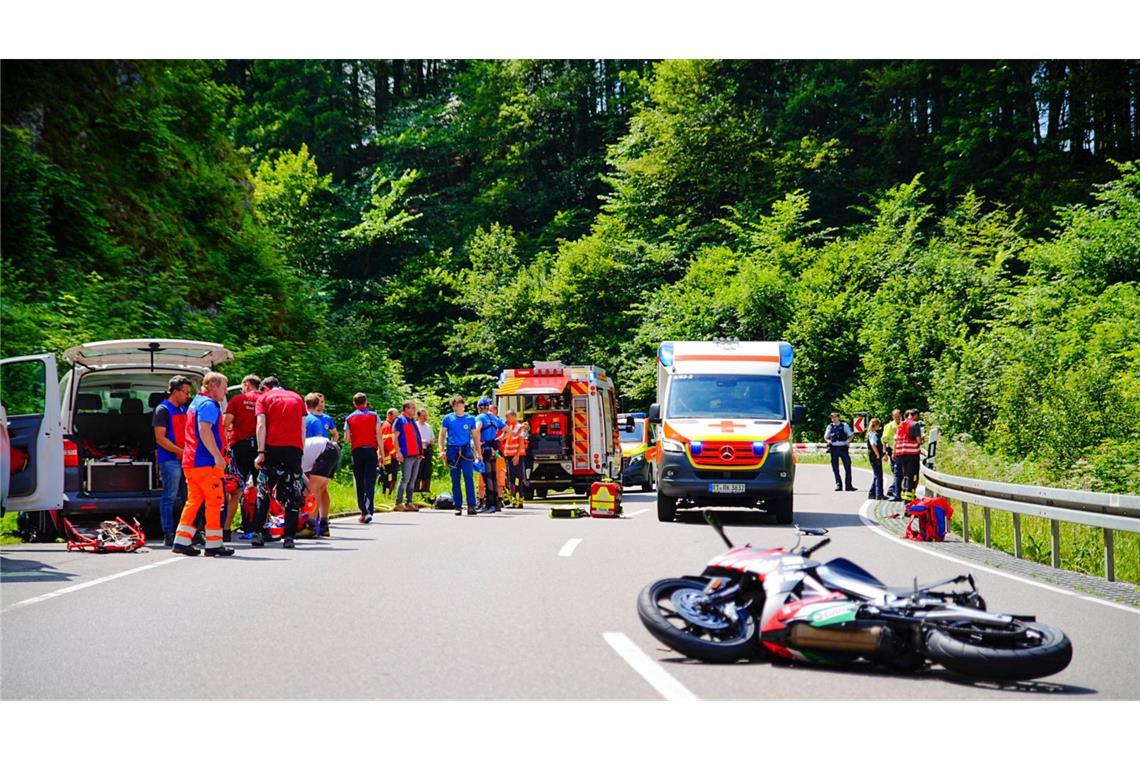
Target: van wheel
point(650, 482)
point(782, 508)
point(666, 508)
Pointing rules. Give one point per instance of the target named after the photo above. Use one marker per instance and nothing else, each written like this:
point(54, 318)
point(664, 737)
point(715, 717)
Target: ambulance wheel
point(580, 490)
point(666, 508)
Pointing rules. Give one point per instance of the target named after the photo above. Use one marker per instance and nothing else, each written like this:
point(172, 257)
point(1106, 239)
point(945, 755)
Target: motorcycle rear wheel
point(1021, 652)
point(720, 639)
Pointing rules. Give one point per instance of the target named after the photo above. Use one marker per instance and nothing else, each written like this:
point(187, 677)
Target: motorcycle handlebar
point(820, 545)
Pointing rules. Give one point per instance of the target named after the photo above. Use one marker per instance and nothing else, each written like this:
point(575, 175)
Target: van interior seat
point(126, 428)
point(155, 399)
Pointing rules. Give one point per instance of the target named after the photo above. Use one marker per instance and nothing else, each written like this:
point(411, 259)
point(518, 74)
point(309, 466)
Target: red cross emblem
point(728, 426)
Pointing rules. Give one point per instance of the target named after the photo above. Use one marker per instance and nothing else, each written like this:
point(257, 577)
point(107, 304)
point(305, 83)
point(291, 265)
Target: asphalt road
point(432, 606)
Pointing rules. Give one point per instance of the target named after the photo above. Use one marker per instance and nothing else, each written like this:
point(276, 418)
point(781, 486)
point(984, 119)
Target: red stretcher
point(111, 536)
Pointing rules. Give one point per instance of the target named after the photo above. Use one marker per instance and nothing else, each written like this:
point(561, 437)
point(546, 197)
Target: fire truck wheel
point(541, 492)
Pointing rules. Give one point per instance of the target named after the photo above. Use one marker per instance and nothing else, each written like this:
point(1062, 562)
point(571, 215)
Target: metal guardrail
point(1107, 511)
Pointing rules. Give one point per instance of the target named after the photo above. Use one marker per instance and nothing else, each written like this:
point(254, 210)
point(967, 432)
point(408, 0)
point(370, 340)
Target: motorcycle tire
point(1000, 656)
point(737, 645)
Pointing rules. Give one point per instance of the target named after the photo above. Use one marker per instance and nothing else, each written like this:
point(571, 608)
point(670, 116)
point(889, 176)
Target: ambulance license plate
point(726, 488)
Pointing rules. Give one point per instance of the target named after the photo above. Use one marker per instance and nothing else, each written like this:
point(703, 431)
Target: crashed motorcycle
point(836, 613)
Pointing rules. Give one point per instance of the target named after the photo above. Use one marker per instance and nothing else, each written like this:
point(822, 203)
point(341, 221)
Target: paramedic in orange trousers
point(204, 466)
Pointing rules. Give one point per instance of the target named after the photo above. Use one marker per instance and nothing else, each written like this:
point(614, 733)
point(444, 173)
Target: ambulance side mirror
point(655, 414)
point(798, 414)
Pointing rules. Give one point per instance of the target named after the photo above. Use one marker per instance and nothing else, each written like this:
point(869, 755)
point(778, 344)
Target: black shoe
point(189, 551)
point(324, 531)
point(258, 539)
point(472, 511)
point(368, 518)
point(852, 488)
point(839, 488)
point(287, 544)
point(168, 539)
point(221, 551)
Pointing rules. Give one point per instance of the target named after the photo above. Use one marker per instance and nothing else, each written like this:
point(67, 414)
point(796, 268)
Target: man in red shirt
point(241, 437)
point(280, 445)
point(362, 434)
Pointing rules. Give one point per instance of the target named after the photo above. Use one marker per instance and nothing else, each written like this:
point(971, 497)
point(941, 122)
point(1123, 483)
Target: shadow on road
point(29, 571)
point(931, 674)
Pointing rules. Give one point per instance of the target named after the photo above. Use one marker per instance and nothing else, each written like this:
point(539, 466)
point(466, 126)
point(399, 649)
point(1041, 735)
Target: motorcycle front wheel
point(671, 610)
point(1016, 652)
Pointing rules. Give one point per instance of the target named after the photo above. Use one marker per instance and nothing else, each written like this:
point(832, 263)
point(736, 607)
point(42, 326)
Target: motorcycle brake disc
point(688, 603)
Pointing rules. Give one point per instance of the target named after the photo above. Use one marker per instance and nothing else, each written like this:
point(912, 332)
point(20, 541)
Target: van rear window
point(758, 397)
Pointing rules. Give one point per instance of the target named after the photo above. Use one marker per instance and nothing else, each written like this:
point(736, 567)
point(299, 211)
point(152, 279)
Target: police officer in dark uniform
point(838, 437)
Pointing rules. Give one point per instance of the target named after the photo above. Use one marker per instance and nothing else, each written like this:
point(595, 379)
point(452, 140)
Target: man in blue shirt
point(487, 427)
point(317, 423)
point(455, 438)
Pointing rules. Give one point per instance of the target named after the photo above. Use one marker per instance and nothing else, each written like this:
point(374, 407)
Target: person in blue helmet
point(488, 426)
point(455, 441)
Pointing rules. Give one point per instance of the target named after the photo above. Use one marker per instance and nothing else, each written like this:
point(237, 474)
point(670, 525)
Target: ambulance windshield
point(759, 397)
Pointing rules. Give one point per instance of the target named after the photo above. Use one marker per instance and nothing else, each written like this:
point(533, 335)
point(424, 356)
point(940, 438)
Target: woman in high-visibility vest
point(514, 454)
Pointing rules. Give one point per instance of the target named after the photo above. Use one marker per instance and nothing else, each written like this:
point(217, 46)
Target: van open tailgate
point(146, 352)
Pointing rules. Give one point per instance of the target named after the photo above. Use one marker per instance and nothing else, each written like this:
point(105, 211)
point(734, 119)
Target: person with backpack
point(838, 436)
point(875, 452)
point(487, 427)
point(908, 447)
point(280, 447)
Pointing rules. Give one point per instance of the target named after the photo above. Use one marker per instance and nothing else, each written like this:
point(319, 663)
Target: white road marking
point(89, 584)
point(569, 547)
point(635, 514)
point(649, 669)
point(865, 509)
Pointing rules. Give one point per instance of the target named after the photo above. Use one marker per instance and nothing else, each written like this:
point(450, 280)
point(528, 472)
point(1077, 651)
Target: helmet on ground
point(443, 501)
point(484, 402)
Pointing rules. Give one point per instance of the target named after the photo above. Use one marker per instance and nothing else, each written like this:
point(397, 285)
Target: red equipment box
point(605, 499)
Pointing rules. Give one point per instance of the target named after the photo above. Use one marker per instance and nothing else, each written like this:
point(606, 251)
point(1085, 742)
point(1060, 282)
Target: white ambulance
point(572, 415)
point(725, 413)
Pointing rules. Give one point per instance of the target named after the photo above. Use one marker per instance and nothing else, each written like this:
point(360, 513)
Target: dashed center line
point(569, 547)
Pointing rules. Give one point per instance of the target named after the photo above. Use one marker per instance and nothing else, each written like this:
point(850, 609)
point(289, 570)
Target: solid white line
point(657, 677)
point(1047, 586)
point(569, 547)
point(638, 512)
point(89, 584)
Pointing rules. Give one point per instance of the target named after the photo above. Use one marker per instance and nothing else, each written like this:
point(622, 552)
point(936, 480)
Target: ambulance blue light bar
point(665, 354)
point(787, 354)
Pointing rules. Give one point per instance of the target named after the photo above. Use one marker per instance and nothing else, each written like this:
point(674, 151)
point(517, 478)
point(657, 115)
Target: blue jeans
point(459, 461)
point(173, 494)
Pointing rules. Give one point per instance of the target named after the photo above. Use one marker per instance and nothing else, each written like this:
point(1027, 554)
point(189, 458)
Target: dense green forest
point(963, 237)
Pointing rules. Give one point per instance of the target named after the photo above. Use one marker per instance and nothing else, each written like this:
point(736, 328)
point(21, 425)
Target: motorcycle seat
point(847, 576)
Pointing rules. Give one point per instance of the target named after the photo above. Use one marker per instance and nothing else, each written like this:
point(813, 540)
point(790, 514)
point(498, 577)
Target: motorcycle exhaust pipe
point(862, 640)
